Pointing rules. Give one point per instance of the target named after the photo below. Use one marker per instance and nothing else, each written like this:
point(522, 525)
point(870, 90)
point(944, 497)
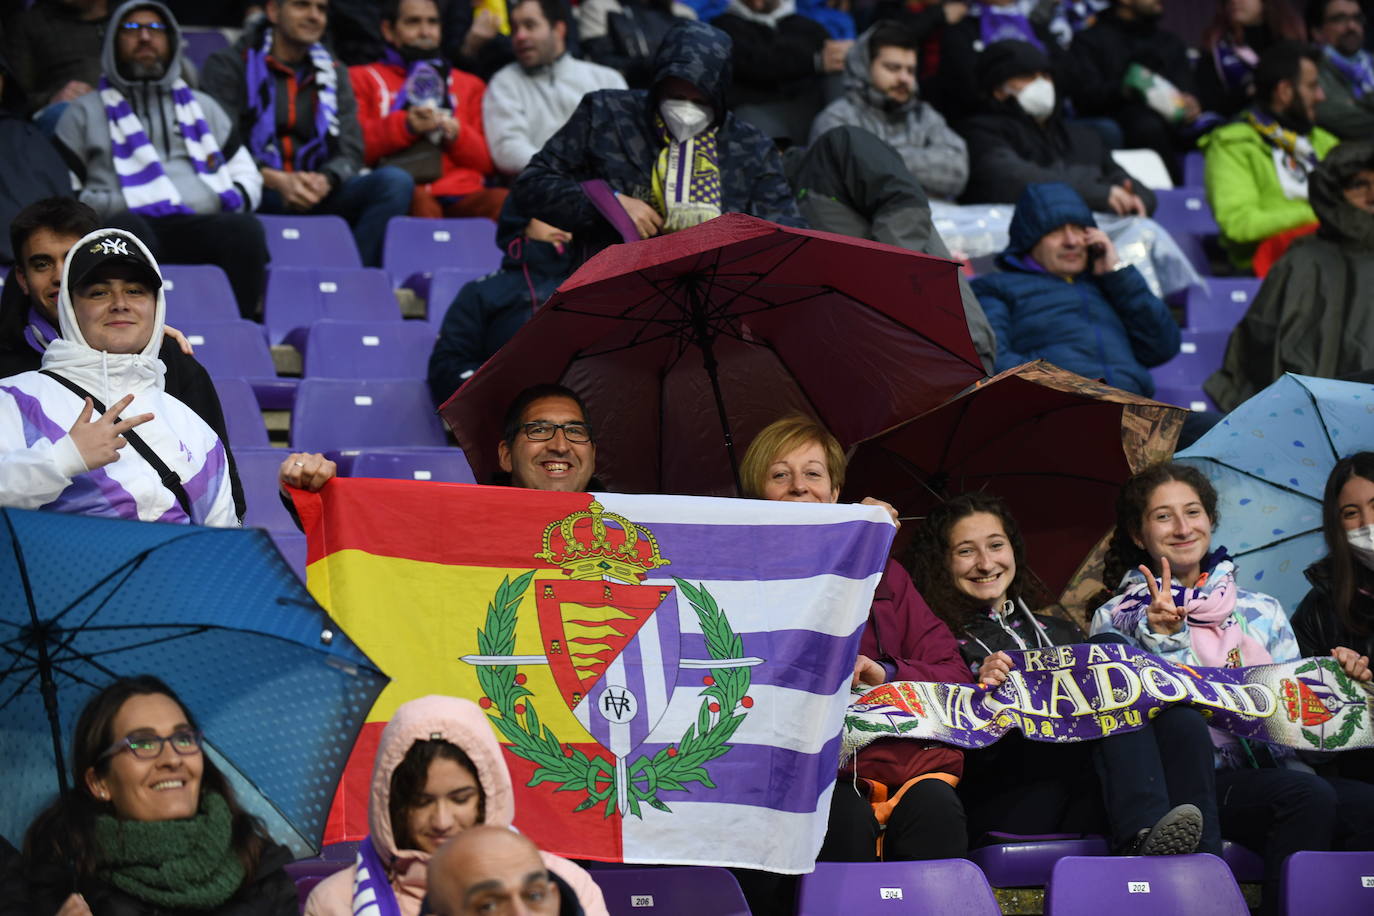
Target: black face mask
point(410, 54)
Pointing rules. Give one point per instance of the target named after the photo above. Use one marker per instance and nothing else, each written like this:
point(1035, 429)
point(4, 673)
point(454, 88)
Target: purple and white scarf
point(262, 102)
point(372, 893)
point(1357, 71)
point(1005, 24)
point(147, 189)
point(415, 71)
point(1234, 62)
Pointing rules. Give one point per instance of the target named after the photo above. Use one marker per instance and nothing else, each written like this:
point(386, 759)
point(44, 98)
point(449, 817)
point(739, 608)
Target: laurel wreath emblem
point(1355, 712)
point(725, 703)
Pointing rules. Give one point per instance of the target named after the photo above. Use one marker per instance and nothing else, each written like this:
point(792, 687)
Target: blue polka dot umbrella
point(1269, 460)
point(279, 691)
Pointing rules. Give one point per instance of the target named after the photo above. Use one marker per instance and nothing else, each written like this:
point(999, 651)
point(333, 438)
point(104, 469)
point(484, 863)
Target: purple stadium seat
point(237, 349)
point(444, 465)
point(1194, 170)
point(258, 472)
point(1328, 882)
point(1188, 217)
point(368, 349)
point(198, 292)
point(1191, 397)
point(444, 287)
point(1199, 355)
point(297, 297)
point(242, 416)
point(950, 887)
point(310, 241)
point(333, 414)
point(293, 549)
point(1017, 861)
point(415, 248)
point(306, 873)
point(1222, 305)
point(671, 891)
point(1246, 864)
point(201, 43)
point(1199, 885)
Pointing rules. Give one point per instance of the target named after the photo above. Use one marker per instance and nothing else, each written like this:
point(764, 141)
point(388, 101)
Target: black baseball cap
point(106, 247)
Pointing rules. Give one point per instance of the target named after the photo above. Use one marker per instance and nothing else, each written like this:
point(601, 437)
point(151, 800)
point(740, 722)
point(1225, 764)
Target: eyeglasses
point(1344, 19)
point(133, 27)
point(543, 432)
point(149, 747)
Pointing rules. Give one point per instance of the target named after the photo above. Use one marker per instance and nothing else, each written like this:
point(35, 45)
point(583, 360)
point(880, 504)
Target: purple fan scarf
point(262, 101)
point(372, 893)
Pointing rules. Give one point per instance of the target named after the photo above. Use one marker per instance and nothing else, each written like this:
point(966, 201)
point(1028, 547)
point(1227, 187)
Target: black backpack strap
point(169, 477)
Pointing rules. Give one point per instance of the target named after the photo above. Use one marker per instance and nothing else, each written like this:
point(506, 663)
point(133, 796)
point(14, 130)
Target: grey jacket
point(934, 154)
point(1341, 113)
point(84, 133)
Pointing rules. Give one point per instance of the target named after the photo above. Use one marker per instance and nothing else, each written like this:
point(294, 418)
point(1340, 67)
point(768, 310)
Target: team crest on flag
point(613, 646)
point(1327, 708)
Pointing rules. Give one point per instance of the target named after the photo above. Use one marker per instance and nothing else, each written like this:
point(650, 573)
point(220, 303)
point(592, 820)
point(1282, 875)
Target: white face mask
point(1362, 542)
point(684, 119)
point(1036, 98)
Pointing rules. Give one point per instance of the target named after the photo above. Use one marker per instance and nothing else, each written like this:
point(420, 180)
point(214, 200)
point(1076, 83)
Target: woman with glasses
point(151, 826)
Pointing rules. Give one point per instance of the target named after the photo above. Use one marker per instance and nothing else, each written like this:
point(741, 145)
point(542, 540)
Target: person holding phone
point(1065, 295)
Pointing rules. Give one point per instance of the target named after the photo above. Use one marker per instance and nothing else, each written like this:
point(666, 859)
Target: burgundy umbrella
point(1045, 440)
point(685, 346)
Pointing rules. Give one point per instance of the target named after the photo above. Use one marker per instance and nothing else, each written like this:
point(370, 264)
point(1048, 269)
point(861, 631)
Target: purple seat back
point(1189, 397)
point(1199, 355)
point(950, 887)
point(442, 465)
point(1328, 882)
point(297, 297)
point(197, 292)
point(1185, 209)
point(1246, 864)
point(230, 349)
point(242, 418)
point(1194, 170)
point(1222, 305)
point(310, 241)
point(293, 550)
point(258, 472)
point(443, 289)
point(201, 43)
point(368, 349)
point(414, 248)
point(1027, 861)
point(1198, 884)
point(346, 413)
point(671, 891)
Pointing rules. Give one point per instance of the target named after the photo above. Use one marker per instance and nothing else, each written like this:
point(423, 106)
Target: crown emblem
point(586, 546)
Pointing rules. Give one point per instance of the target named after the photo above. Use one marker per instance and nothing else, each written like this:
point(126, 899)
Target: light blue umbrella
point(1269, 460)
point(218, 615)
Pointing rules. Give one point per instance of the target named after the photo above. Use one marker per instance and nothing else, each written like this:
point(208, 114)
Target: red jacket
point(467, 160)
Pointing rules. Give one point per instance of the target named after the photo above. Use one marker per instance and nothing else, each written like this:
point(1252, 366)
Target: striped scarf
point(687, 179)
point(147, 189)
point(1357, 71)
point(372, 893)
point(262, 102)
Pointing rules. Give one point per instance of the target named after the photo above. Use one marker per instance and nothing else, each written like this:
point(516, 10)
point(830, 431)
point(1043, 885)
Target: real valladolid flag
point(667, 675)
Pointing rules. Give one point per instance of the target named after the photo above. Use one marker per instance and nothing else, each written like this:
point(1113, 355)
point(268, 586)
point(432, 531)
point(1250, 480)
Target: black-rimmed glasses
point(149, 747)
point(543, 432)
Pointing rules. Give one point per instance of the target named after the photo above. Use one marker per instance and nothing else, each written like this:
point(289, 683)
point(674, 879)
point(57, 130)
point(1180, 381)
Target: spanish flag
point(667, 675)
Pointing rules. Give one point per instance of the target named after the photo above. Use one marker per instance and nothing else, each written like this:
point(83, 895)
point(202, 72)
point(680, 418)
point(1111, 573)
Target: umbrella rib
point(1282, 540)
point(189, 631)
point(1326, 431)
point(1273, 483)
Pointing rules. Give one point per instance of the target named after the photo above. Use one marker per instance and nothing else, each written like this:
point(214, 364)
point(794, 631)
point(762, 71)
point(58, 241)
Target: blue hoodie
point(1107, 326)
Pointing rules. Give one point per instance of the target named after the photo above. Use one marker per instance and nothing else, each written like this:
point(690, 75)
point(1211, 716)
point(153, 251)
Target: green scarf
point(187, 864)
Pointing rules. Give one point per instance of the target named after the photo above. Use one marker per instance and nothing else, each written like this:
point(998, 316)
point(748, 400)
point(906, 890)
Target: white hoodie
point(40, 466)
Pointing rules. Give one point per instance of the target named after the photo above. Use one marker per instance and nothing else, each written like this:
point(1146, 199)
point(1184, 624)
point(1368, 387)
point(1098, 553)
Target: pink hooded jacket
point(462, 723)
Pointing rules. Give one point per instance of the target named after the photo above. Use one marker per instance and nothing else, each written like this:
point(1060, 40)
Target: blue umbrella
point(279, 691)
point(1269, 460)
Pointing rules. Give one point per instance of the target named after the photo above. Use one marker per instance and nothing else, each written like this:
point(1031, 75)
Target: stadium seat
point(1198, 884)
point(1199, 355)
point(1194, 170)
point(297, 297)
point(670, 891)
point(443, 289)
point(414, 248)
point(1246, 864)
point(201, 43)
point(368, 349)
point(444, 465)
point(1328, 882)
point(1190, 397)
point(336, 414)
point(293, 549)
point(1188, 217)
point(950, 887)
point(258, 468)
point(242, 416)
point(237, 349)
point(1222, 305)
point(310, 241)
point(197, 292)
point(1026, 861)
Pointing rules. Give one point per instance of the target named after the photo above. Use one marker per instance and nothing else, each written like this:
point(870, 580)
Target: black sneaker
point(1175, 834)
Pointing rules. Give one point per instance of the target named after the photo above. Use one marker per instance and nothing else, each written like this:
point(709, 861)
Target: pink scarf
point(1218, 638)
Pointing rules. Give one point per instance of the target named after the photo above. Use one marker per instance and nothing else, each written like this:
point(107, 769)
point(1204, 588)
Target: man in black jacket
point(1020, 138)
point(42, 234)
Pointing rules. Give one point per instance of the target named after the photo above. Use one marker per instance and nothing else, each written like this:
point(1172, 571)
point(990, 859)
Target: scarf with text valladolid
point(1357, 71)
point(1294, 157)
point(142, 178)
point(262, 102)
point(687, 179)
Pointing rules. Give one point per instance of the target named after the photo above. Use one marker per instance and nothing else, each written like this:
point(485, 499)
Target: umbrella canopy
point(685, 343)
point(279, 691)
point(1269, 460)
point(1045, 440)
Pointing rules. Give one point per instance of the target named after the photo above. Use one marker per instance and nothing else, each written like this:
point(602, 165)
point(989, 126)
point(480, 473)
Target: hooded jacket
point(933, 153)
point(1108, 326)
point(461, 723)
point(40, 466)
point(612, 136)
point(84, 132)
point(1310, 315)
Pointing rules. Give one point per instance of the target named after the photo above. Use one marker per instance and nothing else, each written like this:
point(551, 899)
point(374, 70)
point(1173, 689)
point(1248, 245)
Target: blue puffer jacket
point(1109, 326)
point(612, 136)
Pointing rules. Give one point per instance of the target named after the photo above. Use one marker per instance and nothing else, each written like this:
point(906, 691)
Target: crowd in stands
point(564, 129)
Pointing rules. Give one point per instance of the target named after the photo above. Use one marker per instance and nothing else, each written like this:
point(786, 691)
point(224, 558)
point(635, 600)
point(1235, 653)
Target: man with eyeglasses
point(162, 160)
point(547, 440)
point(1346, 71)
